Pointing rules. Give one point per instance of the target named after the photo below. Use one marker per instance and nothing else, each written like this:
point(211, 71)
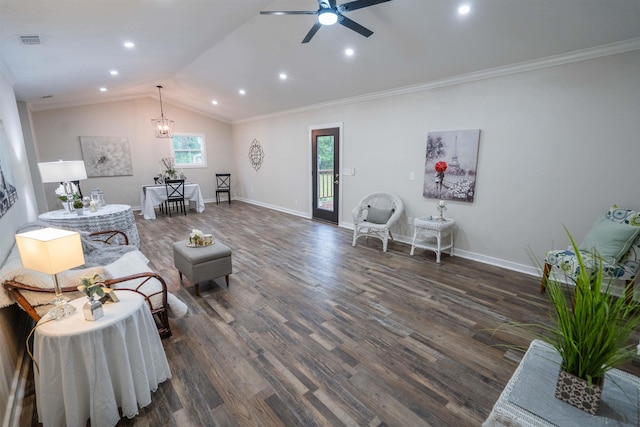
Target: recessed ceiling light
point(129, 45)
point(349, 52)
point(242, 92)
point(464, 9)
point(214, 102)
point(283, 76)
point(113, 72)
point(103, 89)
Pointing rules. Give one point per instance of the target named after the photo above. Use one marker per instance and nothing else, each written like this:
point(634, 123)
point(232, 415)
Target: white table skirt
point(109, 217)
point(89, 369)
point(153, 195)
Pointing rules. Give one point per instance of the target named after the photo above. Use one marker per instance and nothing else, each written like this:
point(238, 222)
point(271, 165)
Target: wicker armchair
point(374, 216)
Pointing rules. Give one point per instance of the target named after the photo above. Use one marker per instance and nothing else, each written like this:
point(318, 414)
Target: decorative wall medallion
point(256, 154)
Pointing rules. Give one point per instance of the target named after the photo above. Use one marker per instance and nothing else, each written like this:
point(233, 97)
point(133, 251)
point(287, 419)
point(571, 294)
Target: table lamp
point(64, 172)
point(51, 251)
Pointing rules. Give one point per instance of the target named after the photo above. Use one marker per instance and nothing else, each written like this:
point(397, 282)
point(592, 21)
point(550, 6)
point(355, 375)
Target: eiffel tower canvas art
point(450, 165)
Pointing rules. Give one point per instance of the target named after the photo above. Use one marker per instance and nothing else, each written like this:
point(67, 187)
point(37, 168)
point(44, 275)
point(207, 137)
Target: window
point(189, 150)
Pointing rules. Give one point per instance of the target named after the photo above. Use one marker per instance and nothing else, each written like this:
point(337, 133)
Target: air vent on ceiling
point(30, 40)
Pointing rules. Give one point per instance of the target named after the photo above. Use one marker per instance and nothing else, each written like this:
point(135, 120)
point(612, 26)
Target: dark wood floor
point(314, 332)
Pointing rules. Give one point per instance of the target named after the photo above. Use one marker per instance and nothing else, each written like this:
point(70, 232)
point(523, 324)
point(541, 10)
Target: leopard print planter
point(578, 392)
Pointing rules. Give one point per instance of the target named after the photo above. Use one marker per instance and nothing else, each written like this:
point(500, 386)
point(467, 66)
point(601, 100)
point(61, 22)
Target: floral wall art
point(106, 156)
point(450, 165)
point(8, 192)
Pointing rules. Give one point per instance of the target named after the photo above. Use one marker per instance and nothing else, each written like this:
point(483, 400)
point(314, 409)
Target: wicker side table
point(426, 228)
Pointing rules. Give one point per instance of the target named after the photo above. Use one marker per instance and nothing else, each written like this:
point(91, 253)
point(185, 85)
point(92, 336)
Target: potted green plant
point(77, 202)
point(591, 331)
point(92, 287)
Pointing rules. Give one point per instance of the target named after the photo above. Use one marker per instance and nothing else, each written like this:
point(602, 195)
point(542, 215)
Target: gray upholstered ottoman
point(202, 263)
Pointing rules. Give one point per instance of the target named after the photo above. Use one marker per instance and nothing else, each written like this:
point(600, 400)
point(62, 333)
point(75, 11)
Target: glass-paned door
point(326, 179)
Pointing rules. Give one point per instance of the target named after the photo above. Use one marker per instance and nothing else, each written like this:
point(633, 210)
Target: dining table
point(154, 195)
point(98, 370)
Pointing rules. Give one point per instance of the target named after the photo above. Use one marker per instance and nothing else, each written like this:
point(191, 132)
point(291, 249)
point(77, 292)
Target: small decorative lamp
point(64, 172)
point(51, 251)
point(442, 208)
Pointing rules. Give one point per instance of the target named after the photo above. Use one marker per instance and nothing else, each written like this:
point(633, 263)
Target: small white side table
point(427, 227)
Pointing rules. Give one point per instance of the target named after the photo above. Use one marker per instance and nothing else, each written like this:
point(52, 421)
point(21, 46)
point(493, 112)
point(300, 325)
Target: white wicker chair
point(374, 216)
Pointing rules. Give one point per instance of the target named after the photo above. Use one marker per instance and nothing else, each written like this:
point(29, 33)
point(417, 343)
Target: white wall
point(558, 145)
point(12, 324)
point(57, 135)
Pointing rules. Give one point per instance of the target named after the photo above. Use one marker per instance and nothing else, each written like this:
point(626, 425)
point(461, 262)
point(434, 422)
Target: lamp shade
point(62, 171)
point(50, 250)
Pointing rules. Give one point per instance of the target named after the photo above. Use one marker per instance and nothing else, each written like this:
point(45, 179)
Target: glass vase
point(93, 310)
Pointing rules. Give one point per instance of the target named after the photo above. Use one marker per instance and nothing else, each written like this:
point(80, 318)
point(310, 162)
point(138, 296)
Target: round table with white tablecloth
point(90, 369)
point(108, 217)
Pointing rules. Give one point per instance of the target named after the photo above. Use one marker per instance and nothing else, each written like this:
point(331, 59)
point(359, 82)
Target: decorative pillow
point(624, 216)
point(610, 239)
point(12, 269)
point(135, 262)
point(378, 216)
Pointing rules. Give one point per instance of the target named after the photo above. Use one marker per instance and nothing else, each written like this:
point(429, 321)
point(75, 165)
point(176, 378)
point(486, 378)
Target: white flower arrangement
point(62, 193)
point(169, 165)
point(92, 286)
point(196, 237)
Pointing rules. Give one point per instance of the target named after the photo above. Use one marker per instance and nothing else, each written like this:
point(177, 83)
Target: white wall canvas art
point(106, 156)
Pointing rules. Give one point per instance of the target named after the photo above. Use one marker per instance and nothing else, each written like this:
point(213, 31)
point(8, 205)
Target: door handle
point(336, 182)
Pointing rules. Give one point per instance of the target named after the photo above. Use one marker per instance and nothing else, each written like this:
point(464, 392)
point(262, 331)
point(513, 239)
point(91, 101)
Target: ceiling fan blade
point(359, 4)
point(312, 32)
point(288, 12)
point(343, 20)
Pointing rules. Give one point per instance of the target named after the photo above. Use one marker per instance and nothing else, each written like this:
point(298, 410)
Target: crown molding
point(522, 67)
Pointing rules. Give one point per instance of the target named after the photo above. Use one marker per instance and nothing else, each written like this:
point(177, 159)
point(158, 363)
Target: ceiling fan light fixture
point(327, 17)
point(162, 127)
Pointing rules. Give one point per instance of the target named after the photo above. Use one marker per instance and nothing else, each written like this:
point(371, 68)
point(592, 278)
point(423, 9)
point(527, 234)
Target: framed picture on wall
point(8, 192)
point(451, 165)
point(106, 156)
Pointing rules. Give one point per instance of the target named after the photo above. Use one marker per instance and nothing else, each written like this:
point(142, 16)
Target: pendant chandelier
point(162, 127)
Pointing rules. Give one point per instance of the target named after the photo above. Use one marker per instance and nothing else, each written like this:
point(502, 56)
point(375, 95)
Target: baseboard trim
point(485, 259)
point(275, 208)
point(13, 410)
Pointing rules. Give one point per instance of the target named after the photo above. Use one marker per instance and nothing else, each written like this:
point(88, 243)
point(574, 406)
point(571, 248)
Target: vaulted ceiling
point(205, 50)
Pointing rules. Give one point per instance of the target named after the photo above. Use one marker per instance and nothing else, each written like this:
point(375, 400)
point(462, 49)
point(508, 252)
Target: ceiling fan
point(329, 13)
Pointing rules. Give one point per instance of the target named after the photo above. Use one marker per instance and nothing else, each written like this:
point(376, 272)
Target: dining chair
point(158, 180)
point(175, 195)
point(223, 185)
